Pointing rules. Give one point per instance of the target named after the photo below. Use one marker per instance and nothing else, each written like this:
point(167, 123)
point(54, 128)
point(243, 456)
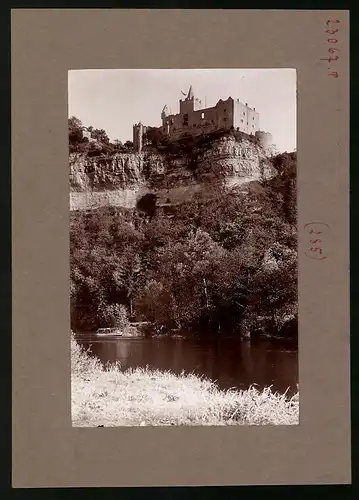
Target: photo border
point(47, 451)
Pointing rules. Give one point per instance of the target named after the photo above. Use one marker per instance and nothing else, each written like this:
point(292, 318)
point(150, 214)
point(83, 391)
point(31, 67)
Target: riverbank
point(110, 397)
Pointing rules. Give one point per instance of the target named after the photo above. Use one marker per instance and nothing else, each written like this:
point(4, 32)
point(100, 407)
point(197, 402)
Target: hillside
point(197, 236)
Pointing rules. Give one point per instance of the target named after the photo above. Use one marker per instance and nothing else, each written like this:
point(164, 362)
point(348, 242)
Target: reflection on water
point(230, 362)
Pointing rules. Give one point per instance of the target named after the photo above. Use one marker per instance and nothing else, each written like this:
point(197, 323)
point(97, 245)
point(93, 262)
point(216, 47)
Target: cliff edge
point(173, 173)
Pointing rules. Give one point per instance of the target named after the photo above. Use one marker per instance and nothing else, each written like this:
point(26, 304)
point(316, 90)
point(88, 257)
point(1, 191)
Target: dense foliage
point(98, 143)
point(154, 138)
point(228, 263)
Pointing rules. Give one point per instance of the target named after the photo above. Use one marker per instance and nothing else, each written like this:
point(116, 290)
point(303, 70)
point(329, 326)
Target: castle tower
point(190, 103)
point(190, 94)
point(164, 116)
point(265, 139)
point(138, 131)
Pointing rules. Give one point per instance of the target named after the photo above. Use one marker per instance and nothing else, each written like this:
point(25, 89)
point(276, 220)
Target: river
point(231, 363)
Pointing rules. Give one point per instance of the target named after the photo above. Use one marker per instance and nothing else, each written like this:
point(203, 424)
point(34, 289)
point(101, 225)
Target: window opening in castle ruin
point(202, 116)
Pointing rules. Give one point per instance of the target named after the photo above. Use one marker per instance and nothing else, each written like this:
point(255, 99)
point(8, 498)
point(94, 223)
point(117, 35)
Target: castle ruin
point(194, 119)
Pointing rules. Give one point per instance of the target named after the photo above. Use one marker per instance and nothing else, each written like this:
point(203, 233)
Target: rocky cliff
point(173, 176)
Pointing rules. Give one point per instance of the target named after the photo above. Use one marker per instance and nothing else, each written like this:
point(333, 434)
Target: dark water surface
point(229, 362)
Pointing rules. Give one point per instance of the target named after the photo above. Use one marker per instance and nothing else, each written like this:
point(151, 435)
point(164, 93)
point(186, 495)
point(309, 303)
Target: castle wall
point(201, 120)
point(253, 121)
point(245, 119)
point(194, 120)
point(189, 105)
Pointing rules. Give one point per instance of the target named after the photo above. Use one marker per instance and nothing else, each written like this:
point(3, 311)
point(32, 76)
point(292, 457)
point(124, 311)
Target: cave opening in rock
point(147, 205)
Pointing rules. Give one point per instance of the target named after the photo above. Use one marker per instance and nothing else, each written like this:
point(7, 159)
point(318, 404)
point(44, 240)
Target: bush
point(113, 315)
point(81, 361)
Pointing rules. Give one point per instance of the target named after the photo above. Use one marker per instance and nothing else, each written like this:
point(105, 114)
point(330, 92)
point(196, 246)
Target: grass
point(110, 397)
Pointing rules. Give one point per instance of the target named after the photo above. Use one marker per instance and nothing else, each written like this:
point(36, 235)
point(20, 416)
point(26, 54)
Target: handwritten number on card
point(332, 30)
point(316, 245)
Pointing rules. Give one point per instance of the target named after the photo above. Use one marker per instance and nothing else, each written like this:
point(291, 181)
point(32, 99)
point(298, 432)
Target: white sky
point(114, 99)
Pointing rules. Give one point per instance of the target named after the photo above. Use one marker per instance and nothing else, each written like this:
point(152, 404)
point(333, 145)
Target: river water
point(231, 363)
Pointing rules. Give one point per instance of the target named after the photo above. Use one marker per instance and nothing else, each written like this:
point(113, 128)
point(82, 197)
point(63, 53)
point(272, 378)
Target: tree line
point(100, 143)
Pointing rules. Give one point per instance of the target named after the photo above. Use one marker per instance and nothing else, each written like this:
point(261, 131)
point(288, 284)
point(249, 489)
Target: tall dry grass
point(137, 397)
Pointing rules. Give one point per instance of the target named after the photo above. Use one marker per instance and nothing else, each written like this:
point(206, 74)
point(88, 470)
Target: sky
point(116, 99)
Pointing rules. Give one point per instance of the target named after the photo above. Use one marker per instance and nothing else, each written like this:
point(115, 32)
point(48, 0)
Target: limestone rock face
point(237, 162)
point(114, 172)
point(121, 179)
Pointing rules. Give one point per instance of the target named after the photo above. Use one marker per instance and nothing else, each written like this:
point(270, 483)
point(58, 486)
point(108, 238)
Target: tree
point(117, 144)
point(126, 274)
point(113, 315)
point(285, 183)
point(273, 289)
point(75, 123)
point(75, 130)
point(100, 135)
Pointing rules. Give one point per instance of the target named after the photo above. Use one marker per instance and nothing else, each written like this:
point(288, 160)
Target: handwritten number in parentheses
point(315, 251)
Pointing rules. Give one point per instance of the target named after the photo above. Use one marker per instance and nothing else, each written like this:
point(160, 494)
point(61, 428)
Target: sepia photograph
point(183, 247)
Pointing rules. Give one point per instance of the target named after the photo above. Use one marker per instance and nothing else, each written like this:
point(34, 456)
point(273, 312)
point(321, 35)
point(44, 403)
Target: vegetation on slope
point(228, 263)
point(99, 144)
